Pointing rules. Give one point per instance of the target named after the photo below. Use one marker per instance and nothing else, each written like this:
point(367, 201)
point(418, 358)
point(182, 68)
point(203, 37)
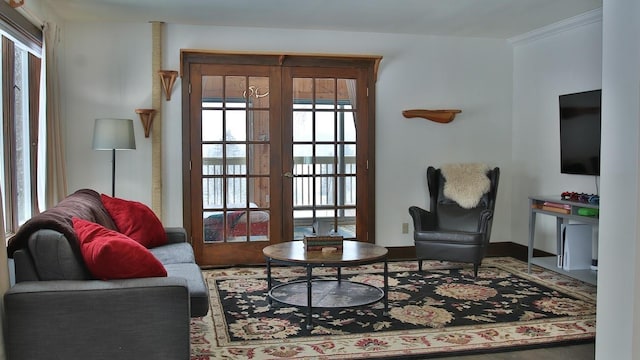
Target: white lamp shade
point(110, 134)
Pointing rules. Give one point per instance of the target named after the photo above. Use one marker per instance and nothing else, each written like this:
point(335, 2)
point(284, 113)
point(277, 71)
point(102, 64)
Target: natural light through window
point(17, 143)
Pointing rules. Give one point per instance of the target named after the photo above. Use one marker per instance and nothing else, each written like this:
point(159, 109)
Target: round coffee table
point(326, 293)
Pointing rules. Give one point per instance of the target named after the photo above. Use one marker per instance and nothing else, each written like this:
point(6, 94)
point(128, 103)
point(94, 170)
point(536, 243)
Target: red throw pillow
point(110, 255)
point(136, 220)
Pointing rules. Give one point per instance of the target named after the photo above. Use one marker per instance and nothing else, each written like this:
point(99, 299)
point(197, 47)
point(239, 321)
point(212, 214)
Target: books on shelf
point(557, 210)
point(556, 207)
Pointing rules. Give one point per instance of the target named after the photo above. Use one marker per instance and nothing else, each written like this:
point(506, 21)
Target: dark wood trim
point(402, 253)
point(513, 250)
point(186, 152)
point(279, 59)
point(34, 126)
point(20, 28)
point(9, 125)
point(408, 253)
point(496, 249)
point(370, 150)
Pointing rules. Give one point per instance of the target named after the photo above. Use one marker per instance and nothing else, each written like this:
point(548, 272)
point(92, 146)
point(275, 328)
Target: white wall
point(544, 68)
point(568, 62)
point(619, 254)
point(106, 72)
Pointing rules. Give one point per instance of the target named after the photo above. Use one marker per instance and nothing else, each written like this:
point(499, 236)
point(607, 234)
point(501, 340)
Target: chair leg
point(419, 265)
point(475, 270)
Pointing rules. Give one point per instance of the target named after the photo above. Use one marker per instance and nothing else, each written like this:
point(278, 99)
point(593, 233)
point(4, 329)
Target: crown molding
point(590, 17)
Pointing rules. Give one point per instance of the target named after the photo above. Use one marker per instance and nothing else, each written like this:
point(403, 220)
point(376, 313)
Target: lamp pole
point(113, 173)
point(113, 134)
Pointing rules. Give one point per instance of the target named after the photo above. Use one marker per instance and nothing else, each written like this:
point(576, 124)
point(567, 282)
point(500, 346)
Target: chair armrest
point(92, 319)
point(422, 219)
point(176, 234)
point(484, 223)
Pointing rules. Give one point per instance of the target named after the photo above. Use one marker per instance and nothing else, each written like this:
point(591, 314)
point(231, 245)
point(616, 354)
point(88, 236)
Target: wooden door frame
point(367, 64)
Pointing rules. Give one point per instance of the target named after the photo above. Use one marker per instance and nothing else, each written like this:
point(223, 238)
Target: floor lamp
point(113, 134)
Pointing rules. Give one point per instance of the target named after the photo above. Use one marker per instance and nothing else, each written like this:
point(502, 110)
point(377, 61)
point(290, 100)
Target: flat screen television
point(580, 133)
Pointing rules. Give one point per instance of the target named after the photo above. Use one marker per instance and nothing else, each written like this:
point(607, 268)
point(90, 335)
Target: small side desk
point(551, 262)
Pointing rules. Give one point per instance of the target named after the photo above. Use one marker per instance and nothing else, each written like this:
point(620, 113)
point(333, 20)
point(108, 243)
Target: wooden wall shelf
point(146, 116)
point(439, 116)
point(16, 3)
point(168, 78)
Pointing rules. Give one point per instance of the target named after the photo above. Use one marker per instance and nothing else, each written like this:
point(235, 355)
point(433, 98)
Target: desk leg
point(269, 281)
point(386, 289)
point(532, 230)
point(309, 302)
point(559, 249)
point(594, 246)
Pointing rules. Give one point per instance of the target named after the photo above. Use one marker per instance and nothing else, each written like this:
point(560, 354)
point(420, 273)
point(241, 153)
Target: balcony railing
point(315, 185)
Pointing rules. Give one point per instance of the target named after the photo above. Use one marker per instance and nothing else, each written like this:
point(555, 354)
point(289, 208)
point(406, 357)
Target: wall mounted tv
point(580, 133)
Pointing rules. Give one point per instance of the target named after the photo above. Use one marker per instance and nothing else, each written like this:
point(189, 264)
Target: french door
point(274, 149)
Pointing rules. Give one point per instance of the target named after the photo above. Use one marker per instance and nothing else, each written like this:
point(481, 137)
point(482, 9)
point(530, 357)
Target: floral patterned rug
point(441, 310)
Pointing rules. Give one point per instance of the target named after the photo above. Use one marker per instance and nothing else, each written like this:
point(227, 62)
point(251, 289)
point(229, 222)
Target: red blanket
point(214, 225)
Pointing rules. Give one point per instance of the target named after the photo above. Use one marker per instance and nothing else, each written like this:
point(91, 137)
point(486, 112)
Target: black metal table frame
point(309, 280)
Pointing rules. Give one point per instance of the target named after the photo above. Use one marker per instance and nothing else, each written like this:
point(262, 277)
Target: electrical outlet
point(405, 228)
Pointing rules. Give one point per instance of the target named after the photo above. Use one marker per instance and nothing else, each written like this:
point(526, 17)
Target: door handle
point(288, 174)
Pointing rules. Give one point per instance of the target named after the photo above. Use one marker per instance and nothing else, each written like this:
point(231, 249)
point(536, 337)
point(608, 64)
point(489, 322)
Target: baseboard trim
point(496, 249)
point(399, 253)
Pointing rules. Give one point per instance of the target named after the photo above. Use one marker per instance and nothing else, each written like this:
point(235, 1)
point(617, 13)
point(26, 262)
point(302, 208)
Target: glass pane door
point(278, 147)
point(235, 159)
point(324, 156)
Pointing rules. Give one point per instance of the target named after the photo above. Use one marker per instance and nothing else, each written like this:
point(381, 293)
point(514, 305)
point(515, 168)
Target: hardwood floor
point(577, 352)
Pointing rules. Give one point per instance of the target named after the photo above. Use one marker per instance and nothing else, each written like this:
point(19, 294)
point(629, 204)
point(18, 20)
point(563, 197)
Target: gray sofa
point(56, 310)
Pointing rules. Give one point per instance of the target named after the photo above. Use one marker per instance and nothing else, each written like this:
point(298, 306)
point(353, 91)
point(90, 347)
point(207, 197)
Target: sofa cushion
point(176, 253)
point(109, 254)
point(136, 220)
point(198, 292)
point(53, 257)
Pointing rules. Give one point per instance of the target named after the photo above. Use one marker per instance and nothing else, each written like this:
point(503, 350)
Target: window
point(20, 105)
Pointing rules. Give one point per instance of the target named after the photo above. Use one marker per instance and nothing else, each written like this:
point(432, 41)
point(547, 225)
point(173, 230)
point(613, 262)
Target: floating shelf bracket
point(439, 116)
point(146, 116)
point(16, 3)
point(168, 78)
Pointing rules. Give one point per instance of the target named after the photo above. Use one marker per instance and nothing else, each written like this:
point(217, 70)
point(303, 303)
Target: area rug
point(440, 311)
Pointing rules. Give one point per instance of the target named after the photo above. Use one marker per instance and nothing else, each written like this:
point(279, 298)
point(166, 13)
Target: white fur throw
point(465, 183)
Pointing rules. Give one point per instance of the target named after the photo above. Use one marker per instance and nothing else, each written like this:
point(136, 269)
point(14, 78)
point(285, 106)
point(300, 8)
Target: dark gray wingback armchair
point(449, 232)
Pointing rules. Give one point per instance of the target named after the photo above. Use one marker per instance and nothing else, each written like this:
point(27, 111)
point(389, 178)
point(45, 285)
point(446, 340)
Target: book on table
point(318, 243)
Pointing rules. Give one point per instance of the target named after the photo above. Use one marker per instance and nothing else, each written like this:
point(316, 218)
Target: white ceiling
point(470, 18)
